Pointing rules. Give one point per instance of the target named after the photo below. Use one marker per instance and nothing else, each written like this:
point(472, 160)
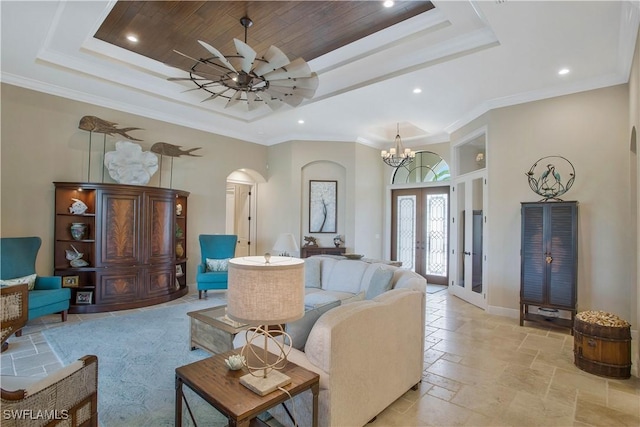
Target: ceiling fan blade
point(273, 103)
point(234, 99)
point(247, 53)
point(305, 93)
point(208, 64)
point(302, 82)
point(252, 101)
point(297, 68)
point(275, 59)
point(287, 98)
point(214, 96)
point(217, 54)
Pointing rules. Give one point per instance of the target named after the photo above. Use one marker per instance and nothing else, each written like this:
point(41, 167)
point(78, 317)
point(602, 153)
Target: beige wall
point(585, 128)
point(634, 122)
point(285, 197)
point(41, 143)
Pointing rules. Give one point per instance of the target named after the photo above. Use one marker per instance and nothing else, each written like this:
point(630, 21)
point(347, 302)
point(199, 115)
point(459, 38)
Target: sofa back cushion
point(346, 276)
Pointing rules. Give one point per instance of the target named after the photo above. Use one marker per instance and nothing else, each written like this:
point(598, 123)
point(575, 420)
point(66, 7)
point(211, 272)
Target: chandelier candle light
point(398, 156)
point(264, 293)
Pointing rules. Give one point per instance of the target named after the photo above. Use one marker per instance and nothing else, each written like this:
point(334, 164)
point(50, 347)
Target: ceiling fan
point(270, 79)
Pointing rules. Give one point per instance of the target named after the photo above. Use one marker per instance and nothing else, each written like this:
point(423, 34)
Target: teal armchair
point(218, 248)
point(18, 259)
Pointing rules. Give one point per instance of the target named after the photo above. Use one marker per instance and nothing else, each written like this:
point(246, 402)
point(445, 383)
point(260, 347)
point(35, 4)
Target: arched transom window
point(426, 167)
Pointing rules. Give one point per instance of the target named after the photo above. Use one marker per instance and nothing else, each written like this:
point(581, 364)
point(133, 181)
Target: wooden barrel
point(602, 350)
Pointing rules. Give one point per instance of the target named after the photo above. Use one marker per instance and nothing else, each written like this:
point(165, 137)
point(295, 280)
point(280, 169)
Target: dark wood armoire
point(549, 260)
point(133, 245)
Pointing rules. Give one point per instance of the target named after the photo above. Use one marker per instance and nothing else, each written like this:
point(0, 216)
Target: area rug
point(137, 357)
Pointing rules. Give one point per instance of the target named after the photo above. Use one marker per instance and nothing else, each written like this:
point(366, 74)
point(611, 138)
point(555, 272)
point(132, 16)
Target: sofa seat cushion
point(316, 299)
point(346, 276)
point(50, 296)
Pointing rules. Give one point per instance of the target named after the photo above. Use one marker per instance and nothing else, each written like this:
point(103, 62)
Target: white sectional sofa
point(368, 349)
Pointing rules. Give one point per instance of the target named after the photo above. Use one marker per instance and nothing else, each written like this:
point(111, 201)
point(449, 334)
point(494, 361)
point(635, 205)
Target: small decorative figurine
point(310, 241)
point(338, 240)
point(78, 207)
point(75, 258)
point(178, 209)
point(235, 362)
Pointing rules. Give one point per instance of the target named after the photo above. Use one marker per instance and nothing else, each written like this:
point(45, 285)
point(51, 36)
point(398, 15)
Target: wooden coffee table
point(220, 387)
point(211, 331)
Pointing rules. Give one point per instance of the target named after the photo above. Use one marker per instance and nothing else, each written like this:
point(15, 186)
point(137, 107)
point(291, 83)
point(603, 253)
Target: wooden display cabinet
point(549, 263)
point(307, 251)
point(129, 245)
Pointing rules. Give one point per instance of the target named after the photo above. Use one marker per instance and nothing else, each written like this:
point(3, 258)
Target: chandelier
point(244, 77)
point(398, 155)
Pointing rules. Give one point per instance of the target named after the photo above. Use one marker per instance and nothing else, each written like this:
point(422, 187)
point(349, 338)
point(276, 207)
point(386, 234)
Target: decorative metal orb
point(551, 177)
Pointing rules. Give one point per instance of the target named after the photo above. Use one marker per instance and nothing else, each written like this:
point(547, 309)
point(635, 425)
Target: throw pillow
point(30, 280)
point(380, 282)
point(217, 264)
point(312, 273)
point(300, 329)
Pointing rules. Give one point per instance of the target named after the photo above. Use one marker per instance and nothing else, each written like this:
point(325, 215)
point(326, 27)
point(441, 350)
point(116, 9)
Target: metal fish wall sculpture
point(96, 124)
point(166, 149)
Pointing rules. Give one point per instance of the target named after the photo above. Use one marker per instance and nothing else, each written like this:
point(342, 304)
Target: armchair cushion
point(30, 280)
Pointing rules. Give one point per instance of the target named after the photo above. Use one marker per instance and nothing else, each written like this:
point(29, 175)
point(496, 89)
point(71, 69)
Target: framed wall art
point(84, 297)
point(70, 281)
point(323, 206)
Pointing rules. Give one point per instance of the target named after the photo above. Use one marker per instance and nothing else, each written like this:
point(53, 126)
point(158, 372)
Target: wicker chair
point(13, 311)
point(67, 397)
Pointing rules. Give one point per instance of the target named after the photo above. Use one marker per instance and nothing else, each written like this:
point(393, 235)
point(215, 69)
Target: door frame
point(466, 293)
point(421, 192)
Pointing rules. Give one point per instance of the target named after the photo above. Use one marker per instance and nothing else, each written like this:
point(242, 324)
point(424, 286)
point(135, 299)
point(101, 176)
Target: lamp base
point(264, 386)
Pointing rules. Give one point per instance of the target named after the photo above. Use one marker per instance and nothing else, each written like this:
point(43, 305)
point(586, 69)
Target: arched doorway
point(242, 209)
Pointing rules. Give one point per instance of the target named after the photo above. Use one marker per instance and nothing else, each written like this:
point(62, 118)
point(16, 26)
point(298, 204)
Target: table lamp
point(262, 293)
point(285, 245)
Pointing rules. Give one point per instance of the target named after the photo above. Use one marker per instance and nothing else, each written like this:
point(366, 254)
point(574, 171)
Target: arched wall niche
point(323, 170)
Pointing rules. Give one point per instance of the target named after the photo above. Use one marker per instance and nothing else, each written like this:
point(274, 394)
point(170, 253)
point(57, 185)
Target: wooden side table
point(220, 387)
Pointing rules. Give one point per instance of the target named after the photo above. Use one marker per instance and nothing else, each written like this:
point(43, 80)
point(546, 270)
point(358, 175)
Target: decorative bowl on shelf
point(353, 256)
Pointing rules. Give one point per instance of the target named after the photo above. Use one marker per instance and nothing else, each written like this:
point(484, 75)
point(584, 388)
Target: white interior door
point(468, 240)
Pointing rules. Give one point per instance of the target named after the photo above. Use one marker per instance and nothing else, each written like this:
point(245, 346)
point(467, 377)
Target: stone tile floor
point(480, 370)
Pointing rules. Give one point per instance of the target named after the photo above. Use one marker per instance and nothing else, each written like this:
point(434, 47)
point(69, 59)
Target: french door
point(468, 243)
point(420, 235)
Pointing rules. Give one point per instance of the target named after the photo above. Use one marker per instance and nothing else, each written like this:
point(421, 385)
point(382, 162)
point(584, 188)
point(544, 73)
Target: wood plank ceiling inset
point(306, 29)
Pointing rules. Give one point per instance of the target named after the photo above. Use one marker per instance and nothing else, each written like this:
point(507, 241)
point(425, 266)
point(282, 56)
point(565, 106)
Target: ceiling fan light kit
point(244, 77)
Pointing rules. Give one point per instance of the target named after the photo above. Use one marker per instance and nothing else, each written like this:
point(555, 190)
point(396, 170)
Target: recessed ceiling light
point(388, 3)
point(417, 90)
point(301, 121)
point(132, 38)
point(563, 71)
